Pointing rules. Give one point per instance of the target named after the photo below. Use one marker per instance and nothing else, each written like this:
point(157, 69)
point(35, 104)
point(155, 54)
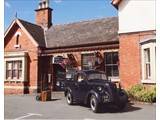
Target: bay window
point(15, 66)
point(14, 69)
point(148, 57)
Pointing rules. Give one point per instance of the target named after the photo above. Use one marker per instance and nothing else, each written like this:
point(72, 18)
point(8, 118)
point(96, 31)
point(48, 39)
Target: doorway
point(59, 74)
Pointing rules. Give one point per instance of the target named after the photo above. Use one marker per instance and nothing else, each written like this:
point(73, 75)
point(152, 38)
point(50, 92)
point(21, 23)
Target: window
point(88, 61)
point(80, 77)
point(148, 59)
point(147, 63)
point(15, 66)
point(111, 64)
point(14, 69)
point(17, 36)
point(17, 39)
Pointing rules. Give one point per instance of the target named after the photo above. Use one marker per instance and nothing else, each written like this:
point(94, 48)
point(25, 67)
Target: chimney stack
point(44, 14)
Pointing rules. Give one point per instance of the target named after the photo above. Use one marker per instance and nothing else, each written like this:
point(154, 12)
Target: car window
point(93, 76)
point(69, 76)
point(80, 77)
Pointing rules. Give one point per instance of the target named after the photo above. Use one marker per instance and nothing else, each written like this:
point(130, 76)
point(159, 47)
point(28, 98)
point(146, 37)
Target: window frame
point(148, 45)
point(17, 69)
point(93, 61)
point(112, 78)
point(16, 56)
point(147, 63)
point(17, 36)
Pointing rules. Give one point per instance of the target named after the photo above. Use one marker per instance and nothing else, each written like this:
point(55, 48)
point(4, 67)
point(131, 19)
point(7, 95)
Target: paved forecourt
point(26, 107)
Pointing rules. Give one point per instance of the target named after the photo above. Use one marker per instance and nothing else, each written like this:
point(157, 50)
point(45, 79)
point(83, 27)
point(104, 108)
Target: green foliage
point(141, 93)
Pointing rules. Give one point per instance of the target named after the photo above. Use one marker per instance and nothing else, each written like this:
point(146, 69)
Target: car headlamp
point(99, 88)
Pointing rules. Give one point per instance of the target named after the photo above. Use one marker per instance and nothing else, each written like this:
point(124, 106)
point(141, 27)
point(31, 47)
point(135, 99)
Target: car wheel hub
point(69, 98)
point(93, 104)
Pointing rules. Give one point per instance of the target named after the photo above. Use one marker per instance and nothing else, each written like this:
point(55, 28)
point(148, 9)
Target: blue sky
point(64, 11)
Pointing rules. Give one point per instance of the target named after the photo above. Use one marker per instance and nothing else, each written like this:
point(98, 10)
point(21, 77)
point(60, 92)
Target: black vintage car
point(92, 88)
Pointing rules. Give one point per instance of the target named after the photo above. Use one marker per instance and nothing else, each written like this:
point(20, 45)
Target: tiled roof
point(36, 32)
point(81, 33)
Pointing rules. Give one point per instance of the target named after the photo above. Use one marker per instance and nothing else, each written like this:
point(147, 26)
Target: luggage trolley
point(46, 89)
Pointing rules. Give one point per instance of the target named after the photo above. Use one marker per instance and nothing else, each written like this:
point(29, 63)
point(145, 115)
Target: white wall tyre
point(94, 104)
point(69, 98)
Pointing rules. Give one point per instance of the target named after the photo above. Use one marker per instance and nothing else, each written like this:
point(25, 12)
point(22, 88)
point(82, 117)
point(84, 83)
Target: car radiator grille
point(112, 89)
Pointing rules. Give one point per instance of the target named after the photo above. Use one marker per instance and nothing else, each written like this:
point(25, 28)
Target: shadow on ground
point(113, 109)
point(48, 100)
point(54, 99)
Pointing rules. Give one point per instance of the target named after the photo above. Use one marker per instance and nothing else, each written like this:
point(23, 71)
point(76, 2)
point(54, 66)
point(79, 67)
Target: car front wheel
point(94, 104)
point(69, 98)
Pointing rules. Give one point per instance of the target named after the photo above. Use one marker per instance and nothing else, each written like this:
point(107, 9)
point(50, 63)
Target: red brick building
point(137, 41)
point(37, 54)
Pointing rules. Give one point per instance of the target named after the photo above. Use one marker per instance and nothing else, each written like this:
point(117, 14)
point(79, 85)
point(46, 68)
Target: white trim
point(111, 50)
point(18, 33)
point(135, 31)
point(151, 46)
point(148, 81)
point(13, 56)
point(114, 79)
point(17, 46)
point(88, 52)
point(148, 39)
point(60, 54)
point(8, 29)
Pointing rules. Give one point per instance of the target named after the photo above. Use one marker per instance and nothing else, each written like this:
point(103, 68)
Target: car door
point(81, 86)
point(70, 81)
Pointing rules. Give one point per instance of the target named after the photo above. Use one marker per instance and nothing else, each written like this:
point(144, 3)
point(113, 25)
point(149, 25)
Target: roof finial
point(15, 15)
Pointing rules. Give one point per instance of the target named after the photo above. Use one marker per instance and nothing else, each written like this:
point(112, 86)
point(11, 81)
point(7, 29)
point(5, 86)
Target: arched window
point(17, 35)
point(17, 39)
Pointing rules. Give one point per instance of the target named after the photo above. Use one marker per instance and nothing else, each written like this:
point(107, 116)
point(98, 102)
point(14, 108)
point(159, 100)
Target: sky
point(64, 11)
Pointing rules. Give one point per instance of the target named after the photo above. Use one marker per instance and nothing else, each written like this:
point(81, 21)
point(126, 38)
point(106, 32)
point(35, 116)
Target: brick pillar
point(130, 62)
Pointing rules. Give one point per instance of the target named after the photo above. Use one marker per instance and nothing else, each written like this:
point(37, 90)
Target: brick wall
point(32, 59)
point(44, 17)
point(130, 57)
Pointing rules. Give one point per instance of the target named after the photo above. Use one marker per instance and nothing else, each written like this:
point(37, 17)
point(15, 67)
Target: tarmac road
point(26, 107)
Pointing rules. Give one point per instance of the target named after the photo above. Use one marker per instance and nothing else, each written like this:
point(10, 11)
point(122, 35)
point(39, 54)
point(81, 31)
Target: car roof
point(91, 71)
point(85, 71)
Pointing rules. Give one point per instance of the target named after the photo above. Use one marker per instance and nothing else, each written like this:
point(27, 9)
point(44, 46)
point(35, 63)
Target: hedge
point(142, 93)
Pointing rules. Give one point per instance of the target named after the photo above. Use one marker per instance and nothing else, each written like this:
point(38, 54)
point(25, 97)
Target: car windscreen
point(70, 76)
point(97, 76)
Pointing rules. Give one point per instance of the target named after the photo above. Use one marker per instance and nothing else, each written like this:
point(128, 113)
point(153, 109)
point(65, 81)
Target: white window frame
point(113, 78)
point(12, 63)
point(16, 56)
point(16, 35)
point(151, 46)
